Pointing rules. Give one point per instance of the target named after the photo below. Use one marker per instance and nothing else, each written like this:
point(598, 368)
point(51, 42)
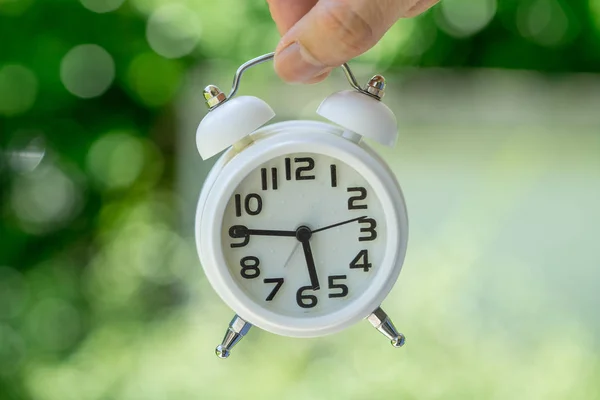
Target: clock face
point(303, 235)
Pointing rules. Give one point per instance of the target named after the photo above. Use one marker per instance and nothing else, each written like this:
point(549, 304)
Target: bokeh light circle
point(464, 18)
point(102, 6)
point(154, 79)
point(18, 89)
point(116, 160)
point(594, 6)
point(87, 70)
point(44, 199)
point(12, 292)
point(15, 8)
point(173, 30)
point(12, 350)
point(26, 151)
point(544, 22)
point(54, 323)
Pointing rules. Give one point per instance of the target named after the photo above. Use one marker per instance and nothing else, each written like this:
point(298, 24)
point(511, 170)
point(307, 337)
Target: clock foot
point(383, 324)
point(237, 329)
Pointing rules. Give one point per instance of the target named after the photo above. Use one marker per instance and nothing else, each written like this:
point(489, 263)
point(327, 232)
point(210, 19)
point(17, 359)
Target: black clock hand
point(339, 223)
point(303, 234)
point(240, 231)
point(310, 263)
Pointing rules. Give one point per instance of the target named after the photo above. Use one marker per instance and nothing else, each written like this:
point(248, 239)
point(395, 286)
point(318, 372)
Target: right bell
point(363, 113)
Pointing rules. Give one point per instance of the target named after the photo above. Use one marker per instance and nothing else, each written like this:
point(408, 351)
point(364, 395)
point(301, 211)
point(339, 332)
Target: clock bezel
point(274, 141)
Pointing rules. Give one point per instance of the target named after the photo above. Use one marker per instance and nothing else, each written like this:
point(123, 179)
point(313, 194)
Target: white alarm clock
point(301, 227)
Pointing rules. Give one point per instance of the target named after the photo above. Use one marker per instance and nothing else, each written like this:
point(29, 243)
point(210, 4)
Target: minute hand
point(339, 223)
point(310, 263)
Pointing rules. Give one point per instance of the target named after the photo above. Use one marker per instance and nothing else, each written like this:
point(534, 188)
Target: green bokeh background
point(101, 293)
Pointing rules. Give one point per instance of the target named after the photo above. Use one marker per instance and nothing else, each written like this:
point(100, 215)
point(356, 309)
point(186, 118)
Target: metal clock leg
point(380, 320)
point(238, 328)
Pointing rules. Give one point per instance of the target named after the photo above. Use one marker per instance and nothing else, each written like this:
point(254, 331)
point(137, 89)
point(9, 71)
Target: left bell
point(230, 122)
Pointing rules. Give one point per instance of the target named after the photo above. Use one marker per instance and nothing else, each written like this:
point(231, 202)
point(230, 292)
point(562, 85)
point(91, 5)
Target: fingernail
point(319, 77)
point(295, 64)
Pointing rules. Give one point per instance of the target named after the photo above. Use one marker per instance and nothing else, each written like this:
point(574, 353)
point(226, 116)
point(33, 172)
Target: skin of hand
point(319, 35)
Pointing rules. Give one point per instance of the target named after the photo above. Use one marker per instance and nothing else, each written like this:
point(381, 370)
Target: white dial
point(303, 235)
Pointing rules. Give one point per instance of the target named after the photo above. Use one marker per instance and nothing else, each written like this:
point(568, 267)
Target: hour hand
point(240, 231)
point(303, 234)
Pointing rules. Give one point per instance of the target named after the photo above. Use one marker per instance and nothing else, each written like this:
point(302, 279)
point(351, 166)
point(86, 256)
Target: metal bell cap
point(376, 86)
point(362, 114)
point(229, 122)
point(213, 96)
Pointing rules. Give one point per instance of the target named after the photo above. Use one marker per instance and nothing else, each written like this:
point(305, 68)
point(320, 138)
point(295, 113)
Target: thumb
point(333, 32)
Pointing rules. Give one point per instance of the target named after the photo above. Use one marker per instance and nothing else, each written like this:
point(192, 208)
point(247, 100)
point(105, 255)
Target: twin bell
point(231, 120)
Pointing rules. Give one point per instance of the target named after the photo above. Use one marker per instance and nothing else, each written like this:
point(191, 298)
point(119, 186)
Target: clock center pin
point(303, 233)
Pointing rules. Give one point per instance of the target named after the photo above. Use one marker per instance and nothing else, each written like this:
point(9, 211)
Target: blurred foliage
point(90, 254)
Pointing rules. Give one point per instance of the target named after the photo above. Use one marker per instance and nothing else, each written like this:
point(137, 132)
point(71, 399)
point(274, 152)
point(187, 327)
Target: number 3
point(370, 230)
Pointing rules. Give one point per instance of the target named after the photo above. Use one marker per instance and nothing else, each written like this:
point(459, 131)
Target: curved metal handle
point(269, 56)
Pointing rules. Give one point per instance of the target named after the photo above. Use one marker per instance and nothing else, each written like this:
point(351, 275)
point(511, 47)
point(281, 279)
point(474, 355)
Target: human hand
point(319, 35)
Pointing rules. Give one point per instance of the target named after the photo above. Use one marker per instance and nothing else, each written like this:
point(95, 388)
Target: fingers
point(420, 7)
point(334, 31)
point(286, 13)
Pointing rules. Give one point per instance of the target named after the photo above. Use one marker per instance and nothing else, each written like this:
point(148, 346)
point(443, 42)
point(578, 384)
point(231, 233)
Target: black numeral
point(251, 207)
point(257, 208)
point(310, 165)
point(238, 205)
point(288, 169)
point(370, 230)
point(340, 286)
point(353, 199)
point(333, 170)
point(361, 261)
point(306, 300)
point(301, 170)
point(264, 180)
point(274, 178)
point(239, 232)
point(250, 268)
point(278, 283)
